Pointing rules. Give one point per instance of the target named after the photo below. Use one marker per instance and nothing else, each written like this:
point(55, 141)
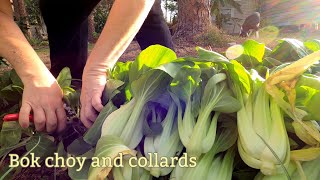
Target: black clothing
point(67, 26)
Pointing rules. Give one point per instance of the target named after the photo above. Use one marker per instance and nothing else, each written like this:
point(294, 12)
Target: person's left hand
point(93, 84)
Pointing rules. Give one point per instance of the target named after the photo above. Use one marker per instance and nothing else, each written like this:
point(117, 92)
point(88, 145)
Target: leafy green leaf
point(173, 67)
point(72, 98)
point(111, 90)
point(218, 96)
point(78, 147)
point(41, 146)
point(111, 147)
point(150, 85)
point(15, 79)
point(121, 71)
point(10, 134)
point(312, 45)
point(289, 50)
point(309, 98)
point(5, 80)
point(77, 173)
point(36, 143)
point(64, 78)
point(185, 82)
point(271, 62)
point(126, 122)
point(210, 56)
point(253, 53)
point(150, 58)
point(310, 168)
point(240, 76)
point(5, 150)
point(93, 134)
point(11, 93)
point(60, 150)
point(267, 51)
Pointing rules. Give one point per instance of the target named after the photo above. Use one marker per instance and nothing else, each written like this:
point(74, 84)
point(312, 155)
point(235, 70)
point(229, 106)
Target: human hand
point(43, 96)
point(93, 84)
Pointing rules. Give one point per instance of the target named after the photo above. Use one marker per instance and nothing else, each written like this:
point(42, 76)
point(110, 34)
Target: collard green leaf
point(64, 78)
point(11, 93)
point(10, 134)
point(34, 146)
point(93, 134)
point(72, 98)
point(5, 173)
point(5, 79)
point(14, 109)
point(41, 146)
point(289, 50)
point(15, 79)
point(6, 150)
point(312, 45)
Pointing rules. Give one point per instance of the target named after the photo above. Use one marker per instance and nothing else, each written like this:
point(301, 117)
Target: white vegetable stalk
point(263, 141)
point(127, 121)
point(198, 137)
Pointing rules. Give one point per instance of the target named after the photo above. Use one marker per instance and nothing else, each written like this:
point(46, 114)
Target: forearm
point(15, 48)
point(124, 21)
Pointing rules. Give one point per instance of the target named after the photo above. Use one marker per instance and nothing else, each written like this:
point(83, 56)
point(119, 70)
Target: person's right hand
point(43, 96)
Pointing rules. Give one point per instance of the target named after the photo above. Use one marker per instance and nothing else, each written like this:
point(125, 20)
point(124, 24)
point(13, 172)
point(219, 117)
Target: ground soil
point(182, 47)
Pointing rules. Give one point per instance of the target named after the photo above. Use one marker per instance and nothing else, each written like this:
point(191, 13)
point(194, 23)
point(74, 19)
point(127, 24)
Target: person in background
point(251, 23)
point(67, 27)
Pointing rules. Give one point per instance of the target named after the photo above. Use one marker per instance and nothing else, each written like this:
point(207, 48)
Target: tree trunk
point(22, 17)
point(193, 17)
point(91, 29)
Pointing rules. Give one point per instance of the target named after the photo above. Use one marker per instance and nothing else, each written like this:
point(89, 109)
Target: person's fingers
point(90, 113)
point(96, 102)
point(62, 119)
point(24, 115)
point(51, 123)
point(86, 122)
point(39, 119)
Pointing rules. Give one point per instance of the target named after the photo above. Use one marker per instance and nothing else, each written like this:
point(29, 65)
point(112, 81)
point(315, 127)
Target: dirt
point(182, 47)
